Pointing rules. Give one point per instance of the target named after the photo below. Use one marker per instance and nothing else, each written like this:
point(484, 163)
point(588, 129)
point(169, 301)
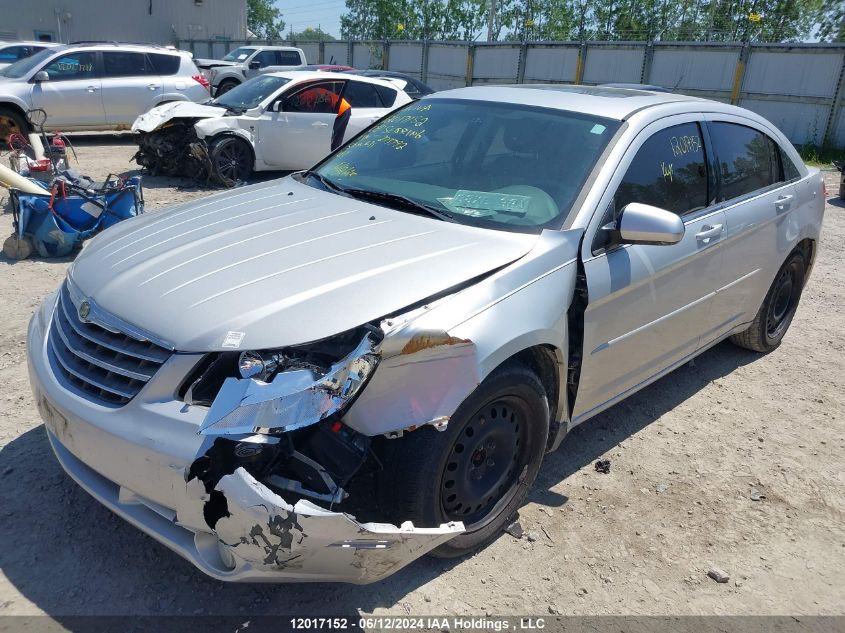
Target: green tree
point(310, 35)
point(832, 23)
point(264, 19)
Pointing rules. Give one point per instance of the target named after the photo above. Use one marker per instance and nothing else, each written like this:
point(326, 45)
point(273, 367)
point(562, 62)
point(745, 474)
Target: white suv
point(245, 62)
point(96, 86)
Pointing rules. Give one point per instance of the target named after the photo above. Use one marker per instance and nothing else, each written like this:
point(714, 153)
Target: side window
point(72, 66)
point(125, 64)
point(669, 171)
point(165, 64)
point(288, 58)
point(747, 161)
point(318, 98)
point(264, 58)
point(361, 95)
point(14, 53)
point(790, 171)
point(388, 96)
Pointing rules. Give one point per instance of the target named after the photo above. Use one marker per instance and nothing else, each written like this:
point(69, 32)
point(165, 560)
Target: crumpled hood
point(277, 264)
point(212, 63)
point(155, 117)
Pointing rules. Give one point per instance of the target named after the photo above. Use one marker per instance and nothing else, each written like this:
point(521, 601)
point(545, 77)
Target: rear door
point(72, 98)
point(648, 305)
point(757, 190)
point(131, 86)
point(301, 133)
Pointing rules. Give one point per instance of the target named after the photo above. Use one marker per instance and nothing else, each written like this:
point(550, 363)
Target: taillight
point(201, 80)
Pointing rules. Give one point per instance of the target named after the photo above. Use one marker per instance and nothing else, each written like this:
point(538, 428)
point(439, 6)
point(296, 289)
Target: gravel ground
point(734, 461)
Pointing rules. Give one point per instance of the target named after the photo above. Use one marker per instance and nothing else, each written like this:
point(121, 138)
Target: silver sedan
point(327, 376)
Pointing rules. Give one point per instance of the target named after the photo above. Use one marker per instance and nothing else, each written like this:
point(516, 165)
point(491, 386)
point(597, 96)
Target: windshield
point(500, 165)
point(23, 66)
point(239, 54)
point(250, 93)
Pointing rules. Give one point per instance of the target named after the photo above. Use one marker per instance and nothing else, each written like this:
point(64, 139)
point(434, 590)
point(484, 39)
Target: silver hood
point(277, 264)
point(155, 117)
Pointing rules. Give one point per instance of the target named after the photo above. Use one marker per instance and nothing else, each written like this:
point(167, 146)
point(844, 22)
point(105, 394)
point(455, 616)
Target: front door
point(300, 133)
point(131, 86)
point(72, 97)
point(648, 304)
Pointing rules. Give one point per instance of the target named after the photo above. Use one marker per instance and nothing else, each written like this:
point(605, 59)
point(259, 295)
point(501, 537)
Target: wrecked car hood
point(278, 264)
point(159, 115)
point(212, 63)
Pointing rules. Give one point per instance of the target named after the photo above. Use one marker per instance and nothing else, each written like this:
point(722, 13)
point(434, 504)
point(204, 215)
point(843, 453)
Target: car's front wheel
point(231, 160)
point(478, 470)
point(11, 123)
point(775, 315)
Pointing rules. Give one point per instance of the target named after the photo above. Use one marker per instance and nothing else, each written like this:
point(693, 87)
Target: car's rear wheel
point(11, 123)
point(231, 160)
point(225, 86)
point(478, 470)
point(775, 314)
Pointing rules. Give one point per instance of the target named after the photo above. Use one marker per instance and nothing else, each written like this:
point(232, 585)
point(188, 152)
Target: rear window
point(126, 64)
point(289, 58)
point(387, 96)
point(669, 171)
point(748, 159)
point(165, 64)
point(361, 95)
point(790, 171)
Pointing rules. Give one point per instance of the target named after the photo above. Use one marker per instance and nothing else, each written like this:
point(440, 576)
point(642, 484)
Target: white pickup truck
point(246, 62)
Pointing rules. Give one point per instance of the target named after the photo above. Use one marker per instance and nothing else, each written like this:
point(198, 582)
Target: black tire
point(231, 160)
point(225, 86)
point(775, 314)
point(11, 121)
point(490, 452)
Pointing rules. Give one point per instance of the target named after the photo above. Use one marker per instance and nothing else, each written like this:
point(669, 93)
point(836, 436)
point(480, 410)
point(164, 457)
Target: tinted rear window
point(289, 58)
point(165, 64)
point(387, 96)
point(669, 171)
point(747, 159)
point(126, 64)
point(361, 95)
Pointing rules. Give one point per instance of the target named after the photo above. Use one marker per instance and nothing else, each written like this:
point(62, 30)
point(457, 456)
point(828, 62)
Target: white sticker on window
point(233, 339)
point(598, 128)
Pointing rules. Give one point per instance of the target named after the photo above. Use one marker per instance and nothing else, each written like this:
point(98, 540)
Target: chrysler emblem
point(84, 310)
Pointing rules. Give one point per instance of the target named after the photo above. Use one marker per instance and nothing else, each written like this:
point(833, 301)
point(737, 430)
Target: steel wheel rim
point(230, 161)
point(783, 301)
point(486, 464)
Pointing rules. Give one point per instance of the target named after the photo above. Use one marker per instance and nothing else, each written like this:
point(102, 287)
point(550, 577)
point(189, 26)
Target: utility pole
point(491, 20)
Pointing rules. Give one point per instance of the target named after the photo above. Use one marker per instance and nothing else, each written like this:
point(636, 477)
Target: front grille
point(109, 367)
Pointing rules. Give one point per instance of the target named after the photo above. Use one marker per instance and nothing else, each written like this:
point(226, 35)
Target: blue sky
point(300, 14)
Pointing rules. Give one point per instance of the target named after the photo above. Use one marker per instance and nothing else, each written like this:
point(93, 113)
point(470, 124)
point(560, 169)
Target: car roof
point(124, 46)
point(305, 75)
point(612, 103)
point(269, 48)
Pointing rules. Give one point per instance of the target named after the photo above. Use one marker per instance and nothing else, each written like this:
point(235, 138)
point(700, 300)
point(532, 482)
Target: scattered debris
point(531, 535)
point(756, 495)
point(661, 487)
point(554, 610)
point(718, 575)
point(515, 529)
point(603, 466)
point(546, 532)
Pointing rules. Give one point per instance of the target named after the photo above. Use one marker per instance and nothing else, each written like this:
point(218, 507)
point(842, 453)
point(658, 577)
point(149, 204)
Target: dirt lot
point(690, 455)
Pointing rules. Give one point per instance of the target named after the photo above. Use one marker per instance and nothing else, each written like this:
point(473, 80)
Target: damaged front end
point(174, 149)
point(280, 474)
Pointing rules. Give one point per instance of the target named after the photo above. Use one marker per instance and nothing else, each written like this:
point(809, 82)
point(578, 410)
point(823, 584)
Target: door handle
point(783, 202)
point(153, 87)
point(92, 88)
point(319, 124)
point(709, 232)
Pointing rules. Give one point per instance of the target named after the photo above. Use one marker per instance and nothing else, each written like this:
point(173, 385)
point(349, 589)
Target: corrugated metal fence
point(799, 87)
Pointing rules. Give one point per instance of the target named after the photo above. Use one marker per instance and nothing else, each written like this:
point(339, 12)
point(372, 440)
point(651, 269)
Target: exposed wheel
point(231, 160)
point(479, 469)
point(10, 123)
point(775, 314)
point(225, 86)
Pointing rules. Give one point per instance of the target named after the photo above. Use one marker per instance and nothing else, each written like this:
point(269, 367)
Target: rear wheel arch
point(15, 110)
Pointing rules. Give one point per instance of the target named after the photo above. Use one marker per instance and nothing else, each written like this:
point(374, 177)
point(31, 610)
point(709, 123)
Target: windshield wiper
point(404, 201)
point(328, 184)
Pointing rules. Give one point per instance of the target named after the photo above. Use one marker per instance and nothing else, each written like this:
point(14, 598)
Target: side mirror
point(645, 224)
point(254, 65)
point(41, 75)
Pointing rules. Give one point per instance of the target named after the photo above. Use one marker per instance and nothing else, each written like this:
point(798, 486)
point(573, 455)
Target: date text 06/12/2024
point(422, 623)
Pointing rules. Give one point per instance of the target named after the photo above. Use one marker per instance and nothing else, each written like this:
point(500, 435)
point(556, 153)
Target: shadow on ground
point(69, 555)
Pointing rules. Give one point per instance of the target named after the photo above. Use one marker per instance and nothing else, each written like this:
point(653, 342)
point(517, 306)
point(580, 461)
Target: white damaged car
point(275, 122)
point(326, 376)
